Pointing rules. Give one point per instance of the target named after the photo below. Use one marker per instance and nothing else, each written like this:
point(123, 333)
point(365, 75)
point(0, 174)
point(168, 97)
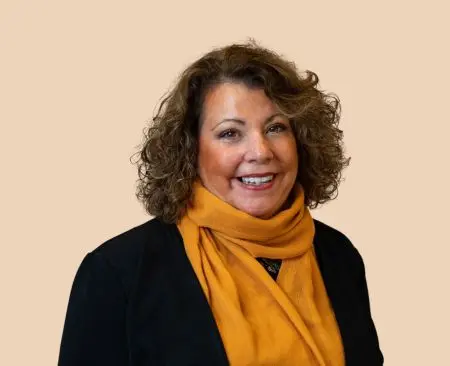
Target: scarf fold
point(261, 321)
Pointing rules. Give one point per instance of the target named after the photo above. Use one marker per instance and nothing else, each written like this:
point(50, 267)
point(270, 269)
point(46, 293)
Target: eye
point(277, 128)
point(229, 134)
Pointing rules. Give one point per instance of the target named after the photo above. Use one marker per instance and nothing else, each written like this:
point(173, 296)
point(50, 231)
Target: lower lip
point(260, 187)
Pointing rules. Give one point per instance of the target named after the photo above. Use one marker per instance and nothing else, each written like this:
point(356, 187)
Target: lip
point(262, 187)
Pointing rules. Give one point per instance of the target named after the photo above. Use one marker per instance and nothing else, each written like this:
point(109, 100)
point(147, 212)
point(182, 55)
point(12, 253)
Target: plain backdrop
point(80, 80)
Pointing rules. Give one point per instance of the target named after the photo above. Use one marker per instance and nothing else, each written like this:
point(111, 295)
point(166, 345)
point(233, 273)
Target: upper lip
point(256, 175)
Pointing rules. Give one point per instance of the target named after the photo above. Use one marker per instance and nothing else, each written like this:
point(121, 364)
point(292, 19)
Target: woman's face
point(247, 150)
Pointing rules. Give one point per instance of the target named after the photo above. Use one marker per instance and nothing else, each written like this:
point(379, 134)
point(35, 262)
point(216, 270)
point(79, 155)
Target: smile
point(256, 181)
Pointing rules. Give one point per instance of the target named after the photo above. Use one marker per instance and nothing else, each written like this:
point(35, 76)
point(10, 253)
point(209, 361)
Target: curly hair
point(167, 158)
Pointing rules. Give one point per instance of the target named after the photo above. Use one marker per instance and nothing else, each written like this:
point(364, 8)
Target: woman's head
point(247, 149)
point(244, 121)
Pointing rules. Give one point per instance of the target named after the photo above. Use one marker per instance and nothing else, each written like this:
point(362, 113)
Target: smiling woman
point(233, 269)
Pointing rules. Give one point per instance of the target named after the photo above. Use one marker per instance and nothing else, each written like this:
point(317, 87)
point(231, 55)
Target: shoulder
point(95, 326)
point(129, 244)
point(329, 242)
point(122, 254)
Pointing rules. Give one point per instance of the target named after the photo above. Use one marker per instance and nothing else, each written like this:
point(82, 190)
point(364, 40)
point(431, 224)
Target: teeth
point(257, 180)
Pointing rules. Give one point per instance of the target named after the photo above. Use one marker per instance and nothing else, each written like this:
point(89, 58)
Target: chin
point(260, 212)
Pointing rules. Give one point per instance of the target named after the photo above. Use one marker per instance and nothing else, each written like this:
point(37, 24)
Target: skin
point(258, 139)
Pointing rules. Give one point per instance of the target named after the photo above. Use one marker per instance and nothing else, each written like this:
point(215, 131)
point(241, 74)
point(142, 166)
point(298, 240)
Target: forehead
point(237, 100)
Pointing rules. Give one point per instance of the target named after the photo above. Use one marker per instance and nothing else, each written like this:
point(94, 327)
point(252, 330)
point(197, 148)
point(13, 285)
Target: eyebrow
point(242, 122)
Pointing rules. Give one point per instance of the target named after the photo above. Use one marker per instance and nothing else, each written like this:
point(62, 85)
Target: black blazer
point(136, 301)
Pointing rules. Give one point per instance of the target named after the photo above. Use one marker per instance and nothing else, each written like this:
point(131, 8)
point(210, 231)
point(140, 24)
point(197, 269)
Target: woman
point(233, 269)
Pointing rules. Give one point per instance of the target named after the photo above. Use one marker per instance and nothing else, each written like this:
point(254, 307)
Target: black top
point(272, 266)
point(136, 301)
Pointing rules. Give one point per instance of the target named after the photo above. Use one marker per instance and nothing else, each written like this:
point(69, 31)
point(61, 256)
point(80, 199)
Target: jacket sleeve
point(365, 302)
point(94, 330)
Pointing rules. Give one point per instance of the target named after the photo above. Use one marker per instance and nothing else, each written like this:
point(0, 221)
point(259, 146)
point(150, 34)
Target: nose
point(258, 150)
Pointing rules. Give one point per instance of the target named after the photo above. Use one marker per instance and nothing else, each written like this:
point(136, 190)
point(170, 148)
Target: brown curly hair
point(167, 159)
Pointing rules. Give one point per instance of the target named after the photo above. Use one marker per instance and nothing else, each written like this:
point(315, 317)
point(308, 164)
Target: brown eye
point(228, 134)
point(277, 128)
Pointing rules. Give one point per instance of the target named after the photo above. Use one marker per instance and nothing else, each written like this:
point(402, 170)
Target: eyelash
point(281, 127)
point(225, 134)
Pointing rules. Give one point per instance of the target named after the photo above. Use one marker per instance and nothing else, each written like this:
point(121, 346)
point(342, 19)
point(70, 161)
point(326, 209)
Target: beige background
point(79, 80)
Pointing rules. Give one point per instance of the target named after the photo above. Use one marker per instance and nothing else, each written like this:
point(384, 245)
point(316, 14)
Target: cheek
point(294, 158)
point(287, 151)
point(216, 161)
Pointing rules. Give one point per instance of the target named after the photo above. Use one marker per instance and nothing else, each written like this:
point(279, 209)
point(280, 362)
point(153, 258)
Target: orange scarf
point(261, 321)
